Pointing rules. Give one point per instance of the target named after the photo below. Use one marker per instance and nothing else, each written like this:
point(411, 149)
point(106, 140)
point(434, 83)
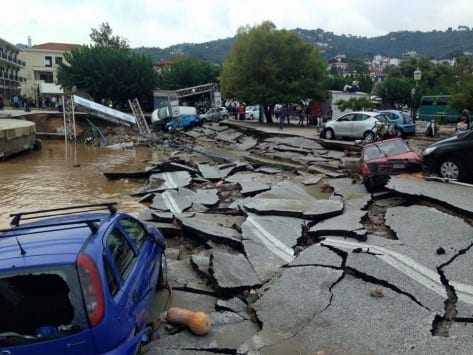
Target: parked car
point(358, 125)
point(215, 114)
point(402, 121)
point(380, 160)
point(183, 122)
point(451, 158)
point(78, 282)
point(252, 112)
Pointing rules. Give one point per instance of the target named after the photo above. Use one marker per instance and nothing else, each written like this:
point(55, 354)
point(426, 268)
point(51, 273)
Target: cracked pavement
point(287, 260)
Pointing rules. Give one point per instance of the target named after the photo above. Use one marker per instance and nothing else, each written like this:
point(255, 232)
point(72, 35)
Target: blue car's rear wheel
point(163, 273)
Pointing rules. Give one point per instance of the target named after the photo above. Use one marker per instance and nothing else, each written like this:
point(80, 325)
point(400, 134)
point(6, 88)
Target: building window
point(45, 76)
point(48, 61)
point(58, 60)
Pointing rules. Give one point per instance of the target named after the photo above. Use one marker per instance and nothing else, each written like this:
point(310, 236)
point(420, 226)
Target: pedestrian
point(462, 125)
point(242, 111)
point(465, 116)
point(282, 115)
point(1, 103)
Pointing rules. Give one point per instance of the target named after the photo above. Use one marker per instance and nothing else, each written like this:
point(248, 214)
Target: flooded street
point(55, 177)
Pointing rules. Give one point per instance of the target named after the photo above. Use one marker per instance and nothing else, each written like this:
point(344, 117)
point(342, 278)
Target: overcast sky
point(166, 22)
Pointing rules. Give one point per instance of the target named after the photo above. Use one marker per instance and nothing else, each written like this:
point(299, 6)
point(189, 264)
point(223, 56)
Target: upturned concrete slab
point(232, 271)
point(349, 224)
point(235, 305)
point(312, 179)
point(201, 263)
point(458, 197)
point(287, 190)
point(332, 173)
point(348, 189)
point(425, 230)
point(182, 276)
point(173, 201)
point(207, 198)
point(298, 142)
point(246, 143)
point(313, 210)
point(211, 231)
point(268, 170)
point(269, 242)
point(171, 180)
point(288, 148)
point(211, 172)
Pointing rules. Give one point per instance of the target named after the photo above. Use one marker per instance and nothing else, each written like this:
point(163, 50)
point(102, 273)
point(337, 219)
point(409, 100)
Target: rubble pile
point(286, 261)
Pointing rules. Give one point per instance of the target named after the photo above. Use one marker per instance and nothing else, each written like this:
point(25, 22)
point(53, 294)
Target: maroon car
point(382, 159)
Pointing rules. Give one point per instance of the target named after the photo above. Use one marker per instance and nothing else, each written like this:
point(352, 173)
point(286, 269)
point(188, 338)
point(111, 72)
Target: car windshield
point(385, 149)
point(407, 117)
point(40, 304)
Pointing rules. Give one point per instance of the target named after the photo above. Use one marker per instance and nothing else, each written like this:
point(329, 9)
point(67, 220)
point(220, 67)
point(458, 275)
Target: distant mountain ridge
point(435, 44)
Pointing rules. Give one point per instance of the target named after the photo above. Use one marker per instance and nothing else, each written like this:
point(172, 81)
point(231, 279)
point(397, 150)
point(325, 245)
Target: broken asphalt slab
point(269, 241)
point(182, 276)
point(313, 210)
point(353, 322)
point(424, 230)
point(211, 231)
point(211, 172)
point(348, 225)
point(228, 332)
point(290, 304)
point(171, 180)
point(458, 197)
point(173, 201)
point(232, 272)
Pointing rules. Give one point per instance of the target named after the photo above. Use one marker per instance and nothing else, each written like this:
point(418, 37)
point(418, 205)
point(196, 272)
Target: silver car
point(215, 114)
point(357, 125)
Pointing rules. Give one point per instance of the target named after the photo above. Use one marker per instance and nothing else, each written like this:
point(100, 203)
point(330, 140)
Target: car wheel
point(163, 274)
point(399, 133)
point(369, 137)
point(329, 134)
point(451, 169)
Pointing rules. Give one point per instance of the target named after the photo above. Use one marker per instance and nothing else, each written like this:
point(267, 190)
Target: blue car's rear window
point(40, 304)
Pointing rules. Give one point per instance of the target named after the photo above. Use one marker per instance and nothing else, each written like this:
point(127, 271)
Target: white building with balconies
point(10, 65)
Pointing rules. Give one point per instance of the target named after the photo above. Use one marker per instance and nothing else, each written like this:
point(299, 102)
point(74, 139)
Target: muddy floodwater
point(56, 176)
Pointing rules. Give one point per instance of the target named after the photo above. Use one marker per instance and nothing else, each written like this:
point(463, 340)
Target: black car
point(451, 158)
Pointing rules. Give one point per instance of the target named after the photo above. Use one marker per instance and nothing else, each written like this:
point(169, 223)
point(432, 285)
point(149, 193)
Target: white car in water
point(357, 125)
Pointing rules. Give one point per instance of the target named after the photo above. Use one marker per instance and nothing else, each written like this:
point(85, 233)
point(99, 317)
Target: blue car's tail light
point(91, 289)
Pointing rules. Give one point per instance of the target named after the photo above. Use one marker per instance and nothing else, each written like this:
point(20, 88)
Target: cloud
point(163, 22)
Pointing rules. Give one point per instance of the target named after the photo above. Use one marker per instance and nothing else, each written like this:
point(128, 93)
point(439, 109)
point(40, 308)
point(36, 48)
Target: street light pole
point(417, 78)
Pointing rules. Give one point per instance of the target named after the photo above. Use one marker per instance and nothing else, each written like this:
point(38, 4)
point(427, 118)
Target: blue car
point(402, 121)
point(183, 122)
point(78, 280)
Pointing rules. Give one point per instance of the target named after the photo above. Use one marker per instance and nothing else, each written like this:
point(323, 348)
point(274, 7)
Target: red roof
point(54, 46)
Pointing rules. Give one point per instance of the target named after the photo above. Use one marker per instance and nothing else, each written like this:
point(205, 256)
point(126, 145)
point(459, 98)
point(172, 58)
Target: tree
point(268, 66)
point(109, 72)
point(103, 37)
point(355, 104)
point(395, 91)
point(187, 72)
point(462, 97)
